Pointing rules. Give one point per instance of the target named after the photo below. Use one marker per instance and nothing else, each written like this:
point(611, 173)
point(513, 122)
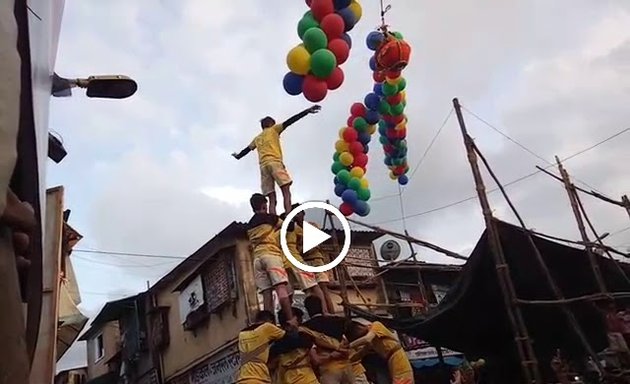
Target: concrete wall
point(111, 342)
point(187, 348)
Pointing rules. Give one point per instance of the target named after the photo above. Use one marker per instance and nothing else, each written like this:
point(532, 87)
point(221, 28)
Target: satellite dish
point(390, 250)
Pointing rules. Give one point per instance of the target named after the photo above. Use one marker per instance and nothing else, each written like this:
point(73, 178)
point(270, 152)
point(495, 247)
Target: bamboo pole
point(598, 238)
point(529, 364)
point(541, 262)
point(580, 223)
point(626, 203)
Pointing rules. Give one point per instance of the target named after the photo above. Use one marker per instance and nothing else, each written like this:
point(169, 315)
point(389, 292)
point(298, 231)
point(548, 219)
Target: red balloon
point(393, 74)
point(399, 171)
point(346, 209)
point(314, 89)
point(335, 79)
point(351, 121)
point(333, 25)
point(358, 110)
point(388, 148)
point(391, 133)
point(398, 119)
point(355, 148)
point(394, 100)
point(350, 135)
point(388, 119)
point(308, 2)
point(360, 160)
point(378, 77)
point(322, 8)
point(340, 49)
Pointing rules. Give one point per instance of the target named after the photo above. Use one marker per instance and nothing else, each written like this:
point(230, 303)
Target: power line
point(494, 128)
point(506, 184)
point(100, 252)
point(122, 265)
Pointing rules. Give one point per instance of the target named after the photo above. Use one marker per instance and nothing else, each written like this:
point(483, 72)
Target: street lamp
point(104, 87)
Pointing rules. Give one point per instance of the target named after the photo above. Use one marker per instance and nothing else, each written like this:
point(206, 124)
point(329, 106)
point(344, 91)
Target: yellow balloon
point(404, 95)
point(372, 129)
point(356, 9)
point(365, 183)
point(299, 60)
point(392, 176)
point(346, 158)
point(401, 126)
point(357, 172)
point(341, 132)
point(341, 146)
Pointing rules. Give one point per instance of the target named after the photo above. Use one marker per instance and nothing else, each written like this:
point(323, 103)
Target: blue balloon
point(388, 161)
point(378, 89)
point(373, 63)
point(293, 83)
point(382, 129)
point(372, 101)
point(372, 117)
point(347, 39)
point(361, 208)
point(336, 180)
point(364, 138)
point(366, 149)
point(348, 18)
point(374, 39)
point(350, 196)
point(341, 4)
point(340, 189)
point(403, 180)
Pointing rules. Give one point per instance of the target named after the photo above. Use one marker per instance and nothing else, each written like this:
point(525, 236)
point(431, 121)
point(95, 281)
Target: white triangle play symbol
point(312, 237)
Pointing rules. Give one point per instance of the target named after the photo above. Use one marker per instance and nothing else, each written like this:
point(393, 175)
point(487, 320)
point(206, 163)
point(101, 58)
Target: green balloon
point(384, 108)
point(354, 183)
point(390, 89)
point(336, 157)
point(314, 39)
point(398, 35)
point(402, 84)
point(344, 176)
point(337, 167)
point(364, 194)
point(398, 109)
point(402, 143)
point(398, 162)
point(360, 124)
point(323, 62)
point(404, 102)
point(307, 22)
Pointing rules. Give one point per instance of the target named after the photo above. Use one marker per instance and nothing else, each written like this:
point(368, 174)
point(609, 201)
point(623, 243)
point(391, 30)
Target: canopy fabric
point(472, 317)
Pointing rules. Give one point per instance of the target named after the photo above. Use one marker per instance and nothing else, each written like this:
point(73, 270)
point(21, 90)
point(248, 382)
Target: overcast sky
point(153, 174)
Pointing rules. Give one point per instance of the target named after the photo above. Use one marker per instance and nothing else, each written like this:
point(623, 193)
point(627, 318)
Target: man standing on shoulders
point(272, 169)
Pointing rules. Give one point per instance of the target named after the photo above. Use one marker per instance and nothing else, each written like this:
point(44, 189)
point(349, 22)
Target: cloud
point(153, 174)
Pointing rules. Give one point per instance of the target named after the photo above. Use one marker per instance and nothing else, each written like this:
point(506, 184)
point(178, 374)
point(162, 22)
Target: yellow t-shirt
point(264, 235)
point(267, 143)
point(386, 345)
point(355, 359)
point(327, 344)
point(291, 238)
point(295, 367)
point(254, 339)
point(315, 253)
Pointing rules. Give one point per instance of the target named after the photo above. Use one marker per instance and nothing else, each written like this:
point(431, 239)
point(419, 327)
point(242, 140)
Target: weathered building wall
point(111, 343)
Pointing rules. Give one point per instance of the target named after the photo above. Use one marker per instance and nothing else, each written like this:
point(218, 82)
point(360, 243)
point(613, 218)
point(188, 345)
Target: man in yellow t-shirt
point(272, 169)
point(377, 337)
point(253, 346)
point(263, 231)
point(316, 258)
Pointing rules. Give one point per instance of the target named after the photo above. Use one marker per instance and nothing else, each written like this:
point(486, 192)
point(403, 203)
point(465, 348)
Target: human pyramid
point(326, 348)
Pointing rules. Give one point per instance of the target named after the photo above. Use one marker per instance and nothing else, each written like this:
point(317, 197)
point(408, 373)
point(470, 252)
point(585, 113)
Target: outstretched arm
point(293, 119)
point(244, 152)
point(365, 340)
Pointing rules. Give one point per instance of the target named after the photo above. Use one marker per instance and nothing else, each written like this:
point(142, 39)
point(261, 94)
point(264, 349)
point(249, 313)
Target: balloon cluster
point(350, 160)
point(314, 64)
point(391, 56)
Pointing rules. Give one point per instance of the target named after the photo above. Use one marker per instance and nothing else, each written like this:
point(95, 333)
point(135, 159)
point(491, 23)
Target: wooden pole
point(423, 291)
point(341, 272)
point(580, 223)
point(541, 262)
point(529, 364)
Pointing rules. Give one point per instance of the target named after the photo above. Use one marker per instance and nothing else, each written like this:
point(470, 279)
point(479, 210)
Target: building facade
point(103, 348)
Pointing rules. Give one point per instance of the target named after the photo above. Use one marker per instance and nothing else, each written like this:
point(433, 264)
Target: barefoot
point(18, 215)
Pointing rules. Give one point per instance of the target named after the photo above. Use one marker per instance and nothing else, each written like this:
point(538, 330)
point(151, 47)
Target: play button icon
point(312, 237)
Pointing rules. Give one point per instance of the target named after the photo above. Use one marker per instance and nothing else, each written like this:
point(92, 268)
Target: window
point(219, 282)
point(99, 347)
